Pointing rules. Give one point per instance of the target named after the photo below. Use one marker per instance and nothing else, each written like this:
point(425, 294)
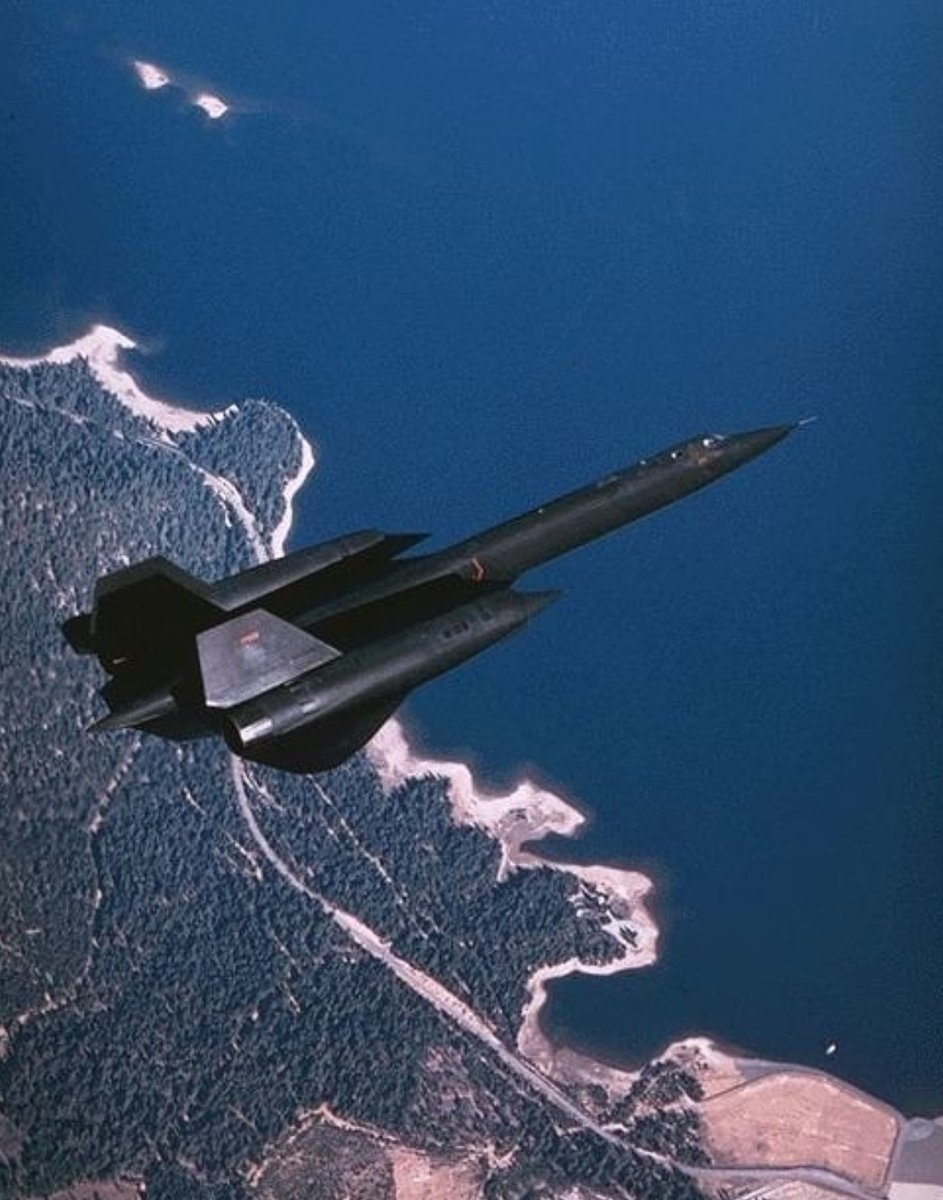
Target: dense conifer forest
point(171, 1011)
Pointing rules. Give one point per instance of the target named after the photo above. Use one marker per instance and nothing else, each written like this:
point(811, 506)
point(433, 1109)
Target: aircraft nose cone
point(763, 439)
point(741, 447)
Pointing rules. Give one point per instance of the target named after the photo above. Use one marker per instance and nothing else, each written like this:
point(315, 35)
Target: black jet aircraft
point(298, 661)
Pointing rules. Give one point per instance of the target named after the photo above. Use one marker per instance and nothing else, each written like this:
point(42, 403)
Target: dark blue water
point(486, 252)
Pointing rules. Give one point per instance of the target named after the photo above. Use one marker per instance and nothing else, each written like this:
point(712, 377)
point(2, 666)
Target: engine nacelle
point(373, 674)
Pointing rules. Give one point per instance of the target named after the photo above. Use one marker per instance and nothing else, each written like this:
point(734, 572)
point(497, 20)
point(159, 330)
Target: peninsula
point(221, 978)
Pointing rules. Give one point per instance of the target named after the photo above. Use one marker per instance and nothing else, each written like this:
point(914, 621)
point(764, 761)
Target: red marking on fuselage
point(248, 638)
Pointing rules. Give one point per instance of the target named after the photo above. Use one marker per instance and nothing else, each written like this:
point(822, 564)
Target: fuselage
point(298, 661)
point(498, 556)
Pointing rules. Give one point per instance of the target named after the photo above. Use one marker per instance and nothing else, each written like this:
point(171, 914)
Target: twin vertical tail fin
point(143, 627)
point(144, 615)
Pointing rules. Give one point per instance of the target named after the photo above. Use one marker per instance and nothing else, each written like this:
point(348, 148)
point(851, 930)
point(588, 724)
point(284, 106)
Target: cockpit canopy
point(691, 448)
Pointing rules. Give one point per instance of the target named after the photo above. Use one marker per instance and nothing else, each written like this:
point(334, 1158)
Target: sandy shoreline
point(101, 348)
point(526, 813)
point(282, 530)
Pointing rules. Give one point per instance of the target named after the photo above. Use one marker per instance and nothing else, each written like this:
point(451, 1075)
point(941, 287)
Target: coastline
point(101, 348)
point(524, 813)
point(282, 531)
point(527, 813)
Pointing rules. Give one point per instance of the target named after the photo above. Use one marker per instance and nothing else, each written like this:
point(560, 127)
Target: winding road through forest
point(457, 1011)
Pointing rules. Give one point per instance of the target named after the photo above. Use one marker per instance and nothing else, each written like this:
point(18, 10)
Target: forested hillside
point(171, 1011)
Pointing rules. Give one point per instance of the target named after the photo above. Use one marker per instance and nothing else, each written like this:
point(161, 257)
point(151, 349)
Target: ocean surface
point(486, 252)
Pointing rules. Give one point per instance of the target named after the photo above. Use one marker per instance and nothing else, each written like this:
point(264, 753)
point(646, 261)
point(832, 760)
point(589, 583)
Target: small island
point(152, 78)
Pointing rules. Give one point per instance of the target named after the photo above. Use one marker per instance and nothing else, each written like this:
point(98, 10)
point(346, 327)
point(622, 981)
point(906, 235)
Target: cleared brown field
point(417, 1177)
point(802, 1119)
